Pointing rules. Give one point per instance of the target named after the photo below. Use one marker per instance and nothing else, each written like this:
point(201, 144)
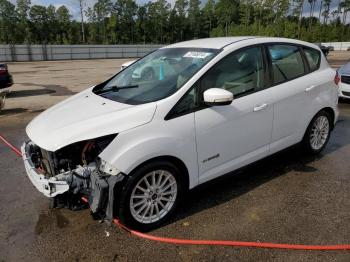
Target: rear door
point(292, 92)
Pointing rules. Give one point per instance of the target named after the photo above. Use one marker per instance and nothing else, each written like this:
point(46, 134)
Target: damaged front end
point(75, 171)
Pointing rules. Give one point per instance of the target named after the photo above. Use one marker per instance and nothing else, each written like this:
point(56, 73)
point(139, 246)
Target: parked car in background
point(324, 49)
point(343, 76)
point(178, 117)
point(5, 82)
point(126, 64)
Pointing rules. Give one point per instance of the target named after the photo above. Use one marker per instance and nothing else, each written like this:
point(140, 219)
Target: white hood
point(85, 116)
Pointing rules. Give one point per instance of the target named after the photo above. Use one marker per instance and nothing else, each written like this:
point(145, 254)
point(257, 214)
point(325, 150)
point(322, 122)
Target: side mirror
point(217, 97)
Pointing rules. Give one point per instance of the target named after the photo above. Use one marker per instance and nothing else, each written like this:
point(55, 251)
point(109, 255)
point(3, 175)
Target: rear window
point(287, 62)
point(313, 57)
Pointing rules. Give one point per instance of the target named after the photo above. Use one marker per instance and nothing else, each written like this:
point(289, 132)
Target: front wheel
point(318, 133)
point(151, 195)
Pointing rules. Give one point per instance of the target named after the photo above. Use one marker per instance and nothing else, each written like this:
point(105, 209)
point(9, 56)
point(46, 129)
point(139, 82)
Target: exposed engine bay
point(86, 174)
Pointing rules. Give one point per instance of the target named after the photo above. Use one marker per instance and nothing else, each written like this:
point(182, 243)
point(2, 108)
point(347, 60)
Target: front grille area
point(346, 93)
point(345, 79)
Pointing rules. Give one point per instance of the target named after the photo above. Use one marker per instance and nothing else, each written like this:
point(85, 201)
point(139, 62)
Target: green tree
point(39, 24)
point(326, 6)
point(125, 11)
point(180, 8)
point(208, 17)
point(23, 7)
point(8, 20)
point(227, 13)
point(63, 20)
point(194, 18)
point(81, 9)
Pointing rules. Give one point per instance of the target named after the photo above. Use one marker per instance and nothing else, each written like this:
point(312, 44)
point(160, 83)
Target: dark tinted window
point(287, 62)
point(241, 72)
point(313, 57)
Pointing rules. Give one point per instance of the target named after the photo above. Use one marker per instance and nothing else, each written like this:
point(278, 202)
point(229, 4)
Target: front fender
point(160, 138)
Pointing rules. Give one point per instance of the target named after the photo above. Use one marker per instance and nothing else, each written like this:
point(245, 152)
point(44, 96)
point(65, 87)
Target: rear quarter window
point(313, 57)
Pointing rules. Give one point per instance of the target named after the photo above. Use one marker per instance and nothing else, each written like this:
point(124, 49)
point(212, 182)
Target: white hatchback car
point(178, 117)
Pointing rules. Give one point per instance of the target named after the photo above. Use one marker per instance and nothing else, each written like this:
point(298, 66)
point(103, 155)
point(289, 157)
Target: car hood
point(85, 116)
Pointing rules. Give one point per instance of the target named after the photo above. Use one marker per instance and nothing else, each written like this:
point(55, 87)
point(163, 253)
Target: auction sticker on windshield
point(193, 54)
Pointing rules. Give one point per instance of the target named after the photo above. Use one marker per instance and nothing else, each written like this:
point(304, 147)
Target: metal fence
point(12, 53)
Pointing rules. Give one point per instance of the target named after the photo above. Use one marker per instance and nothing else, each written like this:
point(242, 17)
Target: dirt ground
point(286, 198)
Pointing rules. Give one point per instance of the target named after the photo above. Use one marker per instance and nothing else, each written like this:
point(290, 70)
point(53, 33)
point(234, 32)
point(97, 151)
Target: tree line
point(126, 22)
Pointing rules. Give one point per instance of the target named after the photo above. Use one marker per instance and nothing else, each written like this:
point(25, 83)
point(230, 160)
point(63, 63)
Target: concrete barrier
point(338, 46)
point(12, 53)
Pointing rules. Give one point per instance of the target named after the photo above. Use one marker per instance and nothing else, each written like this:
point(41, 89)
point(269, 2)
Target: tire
point(150, 217)
point(318, 133)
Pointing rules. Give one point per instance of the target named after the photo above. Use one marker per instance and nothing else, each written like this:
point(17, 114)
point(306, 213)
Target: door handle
point(260, 107)
point(308, 89)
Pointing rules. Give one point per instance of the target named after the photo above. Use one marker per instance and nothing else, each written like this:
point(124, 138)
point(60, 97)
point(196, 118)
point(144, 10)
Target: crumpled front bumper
point(49, 187)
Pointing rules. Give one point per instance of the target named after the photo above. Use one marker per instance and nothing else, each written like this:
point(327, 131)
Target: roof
point(221, 42)
point(215, 42)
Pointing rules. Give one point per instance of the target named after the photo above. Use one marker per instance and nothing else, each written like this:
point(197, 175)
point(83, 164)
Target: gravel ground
point(286, 198)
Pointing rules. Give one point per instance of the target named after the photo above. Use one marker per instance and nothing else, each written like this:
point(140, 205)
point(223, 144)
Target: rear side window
point(287, 62)
point(313, 57)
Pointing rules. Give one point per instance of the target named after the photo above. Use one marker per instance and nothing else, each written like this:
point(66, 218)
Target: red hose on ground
point(13, 148)
point(178, 241)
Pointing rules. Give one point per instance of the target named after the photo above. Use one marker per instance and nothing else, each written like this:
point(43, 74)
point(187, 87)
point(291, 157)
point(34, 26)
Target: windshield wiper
point(115, 89)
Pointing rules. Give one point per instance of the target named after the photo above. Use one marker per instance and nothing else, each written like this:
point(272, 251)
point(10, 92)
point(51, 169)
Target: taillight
point(336, 78)
point(3, 70)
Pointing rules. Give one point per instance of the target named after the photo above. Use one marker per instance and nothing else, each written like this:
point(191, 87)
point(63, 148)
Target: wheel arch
point(172, 159)
point(329, 110)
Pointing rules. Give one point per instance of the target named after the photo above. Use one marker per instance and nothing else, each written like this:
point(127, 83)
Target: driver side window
point(241, 73)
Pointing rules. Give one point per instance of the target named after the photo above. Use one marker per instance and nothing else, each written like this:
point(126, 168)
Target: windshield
point(156, 76)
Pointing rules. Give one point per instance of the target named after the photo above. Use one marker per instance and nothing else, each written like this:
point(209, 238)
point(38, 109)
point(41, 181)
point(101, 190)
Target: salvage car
point(5, 82)
point(134, 144)
point(343, 77)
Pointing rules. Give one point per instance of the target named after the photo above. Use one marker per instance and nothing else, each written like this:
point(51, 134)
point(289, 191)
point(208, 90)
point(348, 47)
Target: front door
point(232, 136)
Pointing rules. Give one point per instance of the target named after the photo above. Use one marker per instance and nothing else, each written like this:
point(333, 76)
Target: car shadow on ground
point(52, 90)
point(12, 111)
point(31, 92)
point(15, 111)
point(237, 183)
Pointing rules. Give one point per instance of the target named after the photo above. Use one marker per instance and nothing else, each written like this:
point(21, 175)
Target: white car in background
point(344, 81)
point(126, 64)
point(137, 142)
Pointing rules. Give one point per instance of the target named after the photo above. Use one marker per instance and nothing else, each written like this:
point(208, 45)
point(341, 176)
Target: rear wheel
point(151, 195)
point(318, 132)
